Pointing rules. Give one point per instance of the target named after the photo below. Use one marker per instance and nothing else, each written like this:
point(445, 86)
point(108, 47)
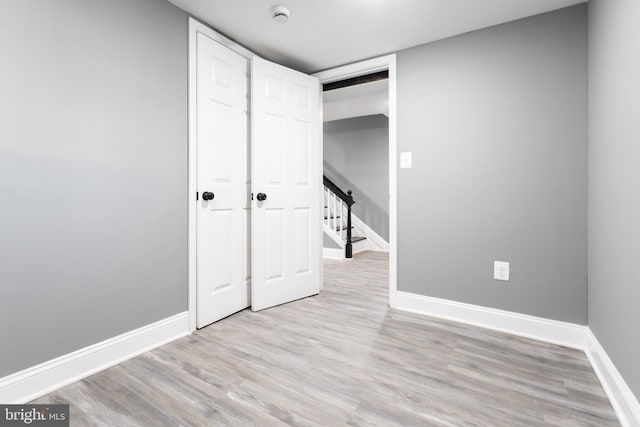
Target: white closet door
point(285, 164)
point(223, 223)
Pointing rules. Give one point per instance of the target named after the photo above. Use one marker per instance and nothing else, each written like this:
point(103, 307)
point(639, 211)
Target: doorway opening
point(359, 155)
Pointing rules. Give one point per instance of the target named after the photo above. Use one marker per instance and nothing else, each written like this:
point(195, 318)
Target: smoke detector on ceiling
point(280, 14)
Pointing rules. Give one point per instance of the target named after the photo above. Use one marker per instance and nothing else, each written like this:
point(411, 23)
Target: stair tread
point(326, 217)
point(357, 239)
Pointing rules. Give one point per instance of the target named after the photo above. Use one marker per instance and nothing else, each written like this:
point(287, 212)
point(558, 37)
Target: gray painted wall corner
point(614, 183)
point(497, 123)
point(93, 172)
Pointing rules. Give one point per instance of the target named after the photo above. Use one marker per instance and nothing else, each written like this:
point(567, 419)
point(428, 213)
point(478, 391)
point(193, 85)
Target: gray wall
point(327, 242)
point(497, 123)
point(614, 182)
point(356, 157)
point(93, 172)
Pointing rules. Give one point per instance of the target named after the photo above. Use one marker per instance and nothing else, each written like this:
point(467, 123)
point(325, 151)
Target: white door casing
point(285, 146)
point(223, 223)
point(387, 62)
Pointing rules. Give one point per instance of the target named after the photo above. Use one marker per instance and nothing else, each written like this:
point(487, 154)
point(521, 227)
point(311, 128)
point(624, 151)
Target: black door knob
point(208, 195)
point(261, 197)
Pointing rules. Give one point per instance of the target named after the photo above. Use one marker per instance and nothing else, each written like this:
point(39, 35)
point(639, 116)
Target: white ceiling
point(322, 34)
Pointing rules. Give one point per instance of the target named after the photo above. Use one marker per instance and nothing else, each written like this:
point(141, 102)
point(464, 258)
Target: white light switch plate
point(405, 160)
point(501, 270)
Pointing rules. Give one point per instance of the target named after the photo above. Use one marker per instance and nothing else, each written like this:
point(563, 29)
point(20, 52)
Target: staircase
point(337, 216)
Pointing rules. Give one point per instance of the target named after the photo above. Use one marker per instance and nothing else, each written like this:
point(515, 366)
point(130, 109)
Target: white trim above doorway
point(387, 62)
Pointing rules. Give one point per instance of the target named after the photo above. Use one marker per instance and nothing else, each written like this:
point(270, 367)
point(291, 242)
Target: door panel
point(223, 239)
point(285, 147)
point(301, 236)
point(301, 151)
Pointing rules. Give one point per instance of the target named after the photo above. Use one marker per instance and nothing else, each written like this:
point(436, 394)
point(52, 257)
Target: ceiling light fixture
point(280, 14)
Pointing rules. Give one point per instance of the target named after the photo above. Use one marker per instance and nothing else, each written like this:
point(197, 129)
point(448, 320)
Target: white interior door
point(285, 165)
point(223, 222)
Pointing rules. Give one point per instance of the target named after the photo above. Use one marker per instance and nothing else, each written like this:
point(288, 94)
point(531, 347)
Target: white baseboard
point(566, 334)
point(377, 242)
point(46, 377)
point(552, 331)
point(340, 254)
point(622, 398)
point(333, 253)
point(39, 380)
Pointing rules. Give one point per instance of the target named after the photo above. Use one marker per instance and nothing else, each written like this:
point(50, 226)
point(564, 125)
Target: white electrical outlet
point(501, 270)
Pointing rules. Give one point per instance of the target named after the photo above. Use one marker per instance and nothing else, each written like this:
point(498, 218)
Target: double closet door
point(258, 180)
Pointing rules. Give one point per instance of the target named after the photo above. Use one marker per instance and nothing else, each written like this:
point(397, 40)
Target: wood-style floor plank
point(343, 358)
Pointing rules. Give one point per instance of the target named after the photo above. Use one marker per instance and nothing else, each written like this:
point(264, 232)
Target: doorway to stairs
point(359, 161)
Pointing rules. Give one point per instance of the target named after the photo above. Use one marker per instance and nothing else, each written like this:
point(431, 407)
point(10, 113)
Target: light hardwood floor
point(343, 358)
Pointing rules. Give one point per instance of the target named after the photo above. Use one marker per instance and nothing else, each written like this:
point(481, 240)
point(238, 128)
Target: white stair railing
point(333, 216)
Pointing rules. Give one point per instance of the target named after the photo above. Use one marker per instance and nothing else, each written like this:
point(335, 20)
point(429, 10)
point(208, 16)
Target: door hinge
point(197, 195)
point(251, 196)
